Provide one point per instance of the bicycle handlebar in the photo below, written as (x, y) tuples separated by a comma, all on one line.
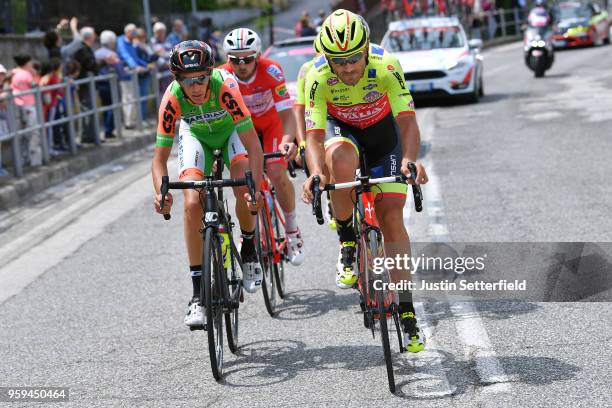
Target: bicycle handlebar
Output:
[(417, 193), (290, 163), (207, 183)]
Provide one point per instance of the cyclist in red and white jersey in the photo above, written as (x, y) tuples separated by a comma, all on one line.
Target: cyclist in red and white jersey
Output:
[(262, 85)]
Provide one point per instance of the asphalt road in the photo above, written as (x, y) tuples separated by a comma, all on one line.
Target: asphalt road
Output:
[(93, 284)]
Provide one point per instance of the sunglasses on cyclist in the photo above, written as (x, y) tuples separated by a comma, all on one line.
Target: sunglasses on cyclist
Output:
[(199, 80), (241, 60), (348, 60)]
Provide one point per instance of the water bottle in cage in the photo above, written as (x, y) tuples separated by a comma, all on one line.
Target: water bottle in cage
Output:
[(225, 242)]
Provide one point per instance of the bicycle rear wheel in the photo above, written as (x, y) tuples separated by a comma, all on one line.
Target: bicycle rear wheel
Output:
[(212, 273), (384, 338), (266, 258)]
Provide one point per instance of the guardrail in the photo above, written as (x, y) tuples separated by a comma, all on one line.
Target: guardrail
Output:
[(39, 130)]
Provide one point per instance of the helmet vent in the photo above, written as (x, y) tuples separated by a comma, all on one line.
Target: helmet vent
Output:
[(250, 41), (230, 42), (353, 30)]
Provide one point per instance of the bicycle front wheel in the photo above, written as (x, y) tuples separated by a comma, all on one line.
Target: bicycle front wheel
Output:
[(212, 274), (279, 268), (384, 338), (266, 258), (235, 291)]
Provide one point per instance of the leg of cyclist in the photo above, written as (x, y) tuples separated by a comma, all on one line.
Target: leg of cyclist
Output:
[(341, 160), (276, 169), (192, 155), (236, 157), (389, 205)]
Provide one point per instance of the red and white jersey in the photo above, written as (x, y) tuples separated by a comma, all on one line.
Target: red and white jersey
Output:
[(265, 94)]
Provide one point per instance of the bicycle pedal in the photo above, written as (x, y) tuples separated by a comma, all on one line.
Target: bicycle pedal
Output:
[(193, 328)]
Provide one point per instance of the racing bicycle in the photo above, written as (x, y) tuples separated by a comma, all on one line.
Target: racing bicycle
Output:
[(377, 302), (221, 288)]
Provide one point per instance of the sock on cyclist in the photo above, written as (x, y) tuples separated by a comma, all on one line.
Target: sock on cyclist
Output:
[(345, 230), (405, 302), (196, 278), (290, 221), (248, 244)]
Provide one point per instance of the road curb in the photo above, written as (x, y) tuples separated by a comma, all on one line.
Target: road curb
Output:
[(15, 190)]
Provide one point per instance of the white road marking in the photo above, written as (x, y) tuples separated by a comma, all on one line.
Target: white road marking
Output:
[(469, 325)]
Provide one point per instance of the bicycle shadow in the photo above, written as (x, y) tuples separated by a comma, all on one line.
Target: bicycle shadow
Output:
[(311, 303), (430, 375)]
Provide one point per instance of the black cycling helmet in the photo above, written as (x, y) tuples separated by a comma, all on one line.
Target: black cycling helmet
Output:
[(191, 56)]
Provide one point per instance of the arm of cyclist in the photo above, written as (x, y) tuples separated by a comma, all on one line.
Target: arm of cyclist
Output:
[(298, 111), (411, 141), (315, 159), (289, 126), (402, 106), (231, 99), (169, 112)]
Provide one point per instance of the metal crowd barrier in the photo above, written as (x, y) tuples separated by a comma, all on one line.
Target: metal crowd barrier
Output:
[(15, 134)]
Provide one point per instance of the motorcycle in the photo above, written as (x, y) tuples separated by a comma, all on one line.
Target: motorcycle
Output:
[(538, 50)]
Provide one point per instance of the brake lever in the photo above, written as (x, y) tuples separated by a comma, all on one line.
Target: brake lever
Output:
[(251, 186), (316, 202), (290, 164), (164, 190), (417, 193)]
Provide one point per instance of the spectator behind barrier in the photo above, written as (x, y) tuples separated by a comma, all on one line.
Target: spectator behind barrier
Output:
[(87, 60), (145, 53), (53, 40), (4, 85), (162, 48), (128, 54), (52, 75), (23, 80), (178, 34), (109, 62)]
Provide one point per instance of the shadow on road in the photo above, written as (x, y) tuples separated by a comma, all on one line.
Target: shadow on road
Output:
[(418, 376), (307, 304)]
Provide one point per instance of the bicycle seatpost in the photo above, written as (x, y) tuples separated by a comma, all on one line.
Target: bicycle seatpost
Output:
[(164, 190)]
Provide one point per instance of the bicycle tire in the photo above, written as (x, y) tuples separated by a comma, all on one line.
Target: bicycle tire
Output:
[(231, 316), (212, 269), (384, 338), (267, 264), (279, 268)]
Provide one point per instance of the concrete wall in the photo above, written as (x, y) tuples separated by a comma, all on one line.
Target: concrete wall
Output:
[(18, 44)]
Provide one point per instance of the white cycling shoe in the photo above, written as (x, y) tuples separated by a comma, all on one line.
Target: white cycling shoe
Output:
[(252, 276), (195, 314), (295, 248)]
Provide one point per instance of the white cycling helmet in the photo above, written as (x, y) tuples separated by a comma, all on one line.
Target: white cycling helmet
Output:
[(242, 39)]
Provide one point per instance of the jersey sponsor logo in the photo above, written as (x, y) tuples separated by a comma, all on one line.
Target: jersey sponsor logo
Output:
[(411, 104), (332, 81), (169, 117), (399, 78), (310, 124), (369, 87), (390, 68), (232, 85), (362, 115), (275, 72), (205, 117), (260, 102), (281, 90), (393, 161), (340, 98), (376, 50), (231, 104), (311, 104), (372, 73), (337, 131), (372, 96), (320, 61), (307, 113), (313, 89), (339, 90)]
